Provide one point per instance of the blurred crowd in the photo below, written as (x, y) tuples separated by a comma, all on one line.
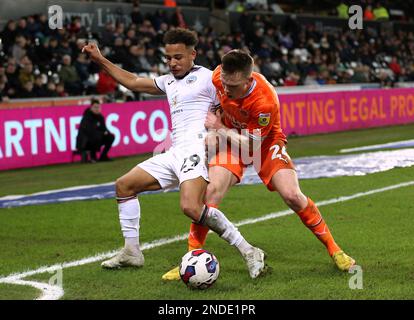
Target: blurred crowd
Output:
[(36, 61), (294, 54), (372, 9)]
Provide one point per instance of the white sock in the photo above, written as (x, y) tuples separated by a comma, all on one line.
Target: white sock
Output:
[(217, 221), (244, 246), (132, 245), (129, 214)]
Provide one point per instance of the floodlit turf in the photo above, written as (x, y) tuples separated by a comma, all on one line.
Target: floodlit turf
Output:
[(376, 230), (23, 181), (13, 292), (381, 241)]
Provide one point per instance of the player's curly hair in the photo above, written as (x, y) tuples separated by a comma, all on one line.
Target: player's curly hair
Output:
[(180, 35), (236, 61)]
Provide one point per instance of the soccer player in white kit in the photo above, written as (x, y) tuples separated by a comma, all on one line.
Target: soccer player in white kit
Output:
[(191, 95)]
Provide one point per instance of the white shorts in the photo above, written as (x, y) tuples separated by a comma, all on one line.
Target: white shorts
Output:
[(176, 166)]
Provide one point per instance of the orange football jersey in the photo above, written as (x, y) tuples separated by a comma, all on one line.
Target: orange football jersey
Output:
[(258, 111)]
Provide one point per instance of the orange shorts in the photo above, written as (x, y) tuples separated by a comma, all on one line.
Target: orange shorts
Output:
[(270, 158)]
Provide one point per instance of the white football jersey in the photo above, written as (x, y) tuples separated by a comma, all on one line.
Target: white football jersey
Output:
[(190, 98)]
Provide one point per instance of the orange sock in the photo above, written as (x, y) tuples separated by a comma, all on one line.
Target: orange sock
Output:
[(312, 218), (198, 234)]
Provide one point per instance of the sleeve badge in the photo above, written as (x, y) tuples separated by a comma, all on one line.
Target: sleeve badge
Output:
[(264, 119)]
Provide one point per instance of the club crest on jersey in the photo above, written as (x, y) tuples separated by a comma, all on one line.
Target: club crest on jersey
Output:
[(264, 119), (191, 79)]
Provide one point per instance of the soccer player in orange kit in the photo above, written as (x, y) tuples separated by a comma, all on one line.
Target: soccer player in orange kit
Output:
[(251, 106)]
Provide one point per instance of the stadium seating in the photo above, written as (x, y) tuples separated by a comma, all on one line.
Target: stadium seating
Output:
[(36, 61)]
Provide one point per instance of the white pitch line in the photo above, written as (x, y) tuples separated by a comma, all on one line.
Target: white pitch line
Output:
[(76, 188), (55, 292), (403, 144)]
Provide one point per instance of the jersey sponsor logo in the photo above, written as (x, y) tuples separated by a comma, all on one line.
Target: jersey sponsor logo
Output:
[(235, 122), (174, 101), (191, 79), (170, 82), (264, 119)]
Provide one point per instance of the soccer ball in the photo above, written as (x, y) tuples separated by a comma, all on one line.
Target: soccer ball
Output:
[(199, 269)]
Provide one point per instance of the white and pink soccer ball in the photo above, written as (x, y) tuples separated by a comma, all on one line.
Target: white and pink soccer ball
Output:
[(199, 269)]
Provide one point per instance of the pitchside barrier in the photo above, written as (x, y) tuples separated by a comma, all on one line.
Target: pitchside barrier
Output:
[(34, 136)]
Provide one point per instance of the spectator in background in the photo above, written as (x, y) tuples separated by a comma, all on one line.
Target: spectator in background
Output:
[(44, 30), (107, 35), (12, 75), (106, 84), (136, 15), (42, 55), (39, 88), (119, 54), (119, 30), (146, 31), (292, 79), (380, 12), (395, 66), (19, 50), (82, 66), (342, 10), (60, 90), (133, 63), (3, 94), (33, 27), (26, 91), (159, 18), (368, 14), (65, 48), (8, 35), (93, 134), (53, 52), (51, 89), (69, 76), (153, 59), (256, 4), (142, 57), (22, 28), (76, 28), (178, 19), (26, 72), (170, 3)]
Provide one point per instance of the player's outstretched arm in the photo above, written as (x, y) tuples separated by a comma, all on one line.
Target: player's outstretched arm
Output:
[(127, 79)]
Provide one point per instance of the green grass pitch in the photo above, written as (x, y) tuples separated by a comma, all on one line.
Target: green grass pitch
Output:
[(375, 229)]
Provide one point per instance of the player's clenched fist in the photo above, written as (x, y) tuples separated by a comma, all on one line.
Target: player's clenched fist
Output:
[(93, 51), (213, 121)]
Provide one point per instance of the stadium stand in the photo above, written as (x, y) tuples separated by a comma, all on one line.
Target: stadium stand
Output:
[(290, 46)]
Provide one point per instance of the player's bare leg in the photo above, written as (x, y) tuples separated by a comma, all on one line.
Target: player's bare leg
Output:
[(221, 180), (216, 221), (127, 187), (285, 181), (192, 203)]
